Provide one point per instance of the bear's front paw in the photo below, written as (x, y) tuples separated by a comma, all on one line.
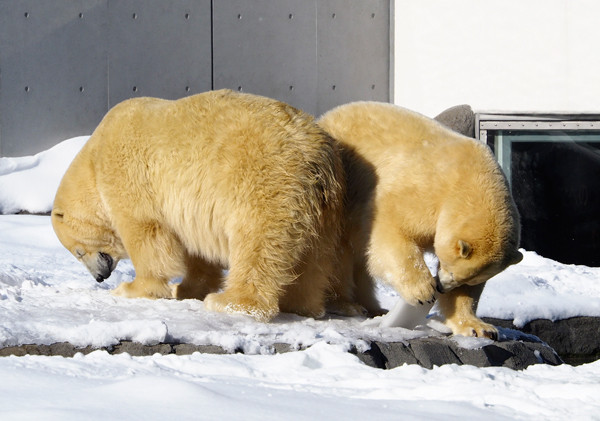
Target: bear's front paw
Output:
[(419, 293), (226, 303), (124, 290), (140, 289)]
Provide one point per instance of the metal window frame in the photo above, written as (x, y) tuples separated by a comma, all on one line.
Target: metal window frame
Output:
[(503, 123)]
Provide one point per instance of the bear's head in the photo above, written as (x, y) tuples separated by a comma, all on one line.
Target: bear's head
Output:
[(89, 240), (475, 243), (79, 218), (467, 263)]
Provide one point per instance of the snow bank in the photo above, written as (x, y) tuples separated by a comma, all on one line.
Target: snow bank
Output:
[(29, 183), (540, 288), (320, 383)]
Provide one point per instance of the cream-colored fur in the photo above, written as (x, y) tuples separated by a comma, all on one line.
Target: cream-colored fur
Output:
[(218, 180), (412, 185)]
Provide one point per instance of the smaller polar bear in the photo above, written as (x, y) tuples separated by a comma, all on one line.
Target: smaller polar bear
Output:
[(190, 187), (414, 185)]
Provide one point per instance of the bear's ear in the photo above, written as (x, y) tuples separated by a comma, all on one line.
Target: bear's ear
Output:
[(464, 249)]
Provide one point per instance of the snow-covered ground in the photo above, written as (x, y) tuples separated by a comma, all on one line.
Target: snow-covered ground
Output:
[(46, 296)]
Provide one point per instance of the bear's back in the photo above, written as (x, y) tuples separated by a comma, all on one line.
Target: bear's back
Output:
[(416, 159), (221, 154), (405, 146), (218, 132), (398, 130), (207, 119)]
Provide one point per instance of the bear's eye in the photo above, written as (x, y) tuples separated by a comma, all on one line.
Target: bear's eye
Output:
[(58, 215), (79, 253)]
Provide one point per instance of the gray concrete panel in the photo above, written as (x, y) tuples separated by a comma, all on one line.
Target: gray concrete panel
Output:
[(159, 48), (353, 51), (53, 70), (63, 63), (266, 47)]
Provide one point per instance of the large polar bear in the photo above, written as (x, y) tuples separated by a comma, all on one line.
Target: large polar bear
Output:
[(217, 180), (415, 185)]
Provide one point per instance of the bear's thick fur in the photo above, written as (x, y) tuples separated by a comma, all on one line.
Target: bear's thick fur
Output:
[(217, 180), (414, 185)]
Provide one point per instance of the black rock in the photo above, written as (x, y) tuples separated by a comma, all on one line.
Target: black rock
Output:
[(436, 351), (575, 340), (460, 118)]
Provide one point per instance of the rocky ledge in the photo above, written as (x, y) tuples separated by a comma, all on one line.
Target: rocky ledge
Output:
[(436, 351), (575, 340), (518, 352)]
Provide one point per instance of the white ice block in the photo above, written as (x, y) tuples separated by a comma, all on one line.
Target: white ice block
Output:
[(402, 315), (406, 316)]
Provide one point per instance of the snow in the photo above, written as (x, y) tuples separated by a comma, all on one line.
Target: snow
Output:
[(322, 382), (46, 296), (29, 183)]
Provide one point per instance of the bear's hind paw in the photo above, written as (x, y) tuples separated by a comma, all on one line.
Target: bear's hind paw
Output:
[(479, 330), (222, 303), (346, 309)]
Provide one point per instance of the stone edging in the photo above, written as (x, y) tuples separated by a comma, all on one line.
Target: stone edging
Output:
[(426, 352)]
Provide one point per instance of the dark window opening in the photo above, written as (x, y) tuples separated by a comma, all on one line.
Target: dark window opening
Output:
[(555, 181), (557, 189)]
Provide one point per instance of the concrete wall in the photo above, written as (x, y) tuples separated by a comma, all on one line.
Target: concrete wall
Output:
[(64, 63)]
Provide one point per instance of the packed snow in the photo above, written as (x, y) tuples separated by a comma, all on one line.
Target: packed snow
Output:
[(46, 296)]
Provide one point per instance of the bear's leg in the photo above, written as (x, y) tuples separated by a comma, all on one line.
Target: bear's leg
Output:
[(399, 261), (306, 295), (261, 266), (157, 256), (343, 299), (247, 293), (201, 278), (365, 290), (144, 287), (458, 307)]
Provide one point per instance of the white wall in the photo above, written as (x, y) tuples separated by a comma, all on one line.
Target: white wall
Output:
[(510, 55)]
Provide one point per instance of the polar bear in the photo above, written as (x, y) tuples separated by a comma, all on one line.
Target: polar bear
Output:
[(218, 180), (414, 185)]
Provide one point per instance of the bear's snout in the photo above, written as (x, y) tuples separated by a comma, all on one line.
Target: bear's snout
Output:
[(445, 280), (105, 265)]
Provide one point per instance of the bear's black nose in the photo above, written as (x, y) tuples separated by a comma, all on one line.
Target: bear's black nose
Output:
[(105, 265), (438, 285)]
